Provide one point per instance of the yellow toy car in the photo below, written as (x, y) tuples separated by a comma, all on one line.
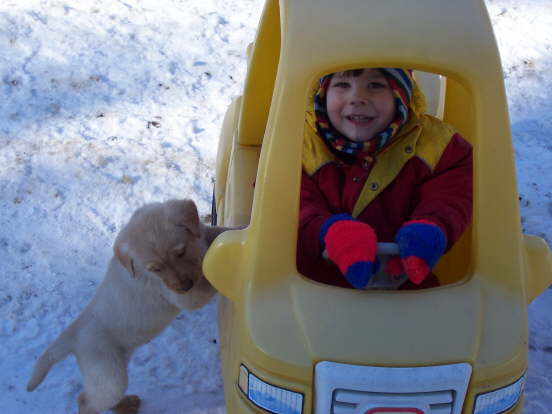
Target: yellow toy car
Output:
[(290, 345)]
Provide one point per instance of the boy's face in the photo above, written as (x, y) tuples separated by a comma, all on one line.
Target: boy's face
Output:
[(360, 107)]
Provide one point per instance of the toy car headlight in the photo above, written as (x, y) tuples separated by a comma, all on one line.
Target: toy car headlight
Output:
[(269, 397), (500, 400)]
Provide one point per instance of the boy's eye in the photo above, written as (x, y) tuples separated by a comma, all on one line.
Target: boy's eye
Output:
[(341, 84), (376, 85)]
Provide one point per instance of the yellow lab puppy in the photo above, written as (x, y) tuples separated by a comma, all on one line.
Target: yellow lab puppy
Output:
[(154, 274)]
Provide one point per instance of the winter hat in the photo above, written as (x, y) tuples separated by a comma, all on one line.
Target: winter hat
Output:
[(404, 91)]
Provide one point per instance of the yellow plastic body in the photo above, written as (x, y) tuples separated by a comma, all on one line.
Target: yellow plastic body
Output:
[(278, 323)]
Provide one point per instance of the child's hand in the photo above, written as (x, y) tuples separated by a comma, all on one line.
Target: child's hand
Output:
[(421, 245), (351, 245)]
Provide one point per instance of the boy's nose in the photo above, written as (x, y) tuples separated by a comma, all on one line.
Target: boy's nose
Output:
[(357, 101), (358, 97)]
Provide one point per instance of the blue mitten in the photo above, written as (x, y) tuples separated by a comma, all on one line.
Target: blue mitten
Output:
[(421, 245)]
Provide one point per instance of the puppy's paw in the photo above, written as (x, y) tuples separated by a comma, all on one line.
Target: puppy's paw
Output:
[(128, 405)]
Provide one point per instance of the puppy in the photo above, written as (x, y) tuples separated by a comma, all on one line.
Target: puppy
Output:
[(154, 274)]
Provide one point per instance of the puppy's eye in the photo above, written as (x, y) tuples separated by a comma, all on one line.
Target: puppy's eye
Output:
[(180, 251), (154, 267)]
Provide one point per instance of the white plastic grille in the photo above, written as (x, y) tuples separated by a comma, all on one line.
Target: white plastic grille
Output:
[(357, 389), (348, 401)]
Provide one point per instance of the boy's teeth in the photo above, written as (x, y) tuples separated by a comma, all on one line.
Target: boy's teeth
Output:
[(359, 118)]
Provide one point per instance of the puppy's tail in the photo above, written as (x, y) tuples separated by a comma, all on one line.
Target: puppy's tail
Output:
[(57, 351)]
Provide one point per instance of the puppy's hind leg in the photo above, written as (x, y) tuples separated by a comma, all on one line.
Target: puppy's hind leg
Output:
[(130, 404), (104, 370)]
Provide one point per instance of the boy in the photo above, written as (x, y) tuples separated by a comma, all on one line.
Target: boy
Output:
[(376, 168)]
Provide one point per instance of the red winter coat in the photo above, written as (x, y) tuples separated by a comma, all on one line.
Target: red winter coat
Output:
[(424, 173)]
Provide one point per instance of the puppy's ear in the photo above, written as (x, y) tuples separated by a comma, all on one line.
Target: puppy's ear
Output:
[(122, 254), (183, 213)]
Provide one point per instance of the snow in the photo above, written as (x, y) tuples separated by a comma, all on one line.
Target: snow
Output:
[(107, 104)]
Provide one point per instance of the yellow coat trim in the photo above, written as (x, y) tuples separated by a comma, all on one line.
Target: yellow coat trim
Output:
[(315, 152), (436, 136)]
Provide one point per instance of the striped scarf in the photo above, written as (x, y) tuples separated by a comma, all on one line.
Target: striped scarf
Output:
[(400, 81)]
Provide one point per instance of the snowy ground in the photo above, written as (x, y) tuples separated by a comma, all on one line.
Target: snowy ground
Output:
[(107, 104)]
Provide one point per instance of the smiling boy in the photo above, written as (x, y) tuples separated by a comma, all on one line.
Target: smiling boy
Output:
[(377, 168)]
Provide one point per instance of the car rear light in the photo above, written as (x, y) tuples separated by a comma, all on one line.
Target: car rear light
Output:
[(269, 397), (500, 400)]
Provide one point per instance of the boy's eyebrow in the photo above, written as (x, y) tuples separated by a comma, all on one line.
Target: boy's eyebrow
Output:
[(349, 74)]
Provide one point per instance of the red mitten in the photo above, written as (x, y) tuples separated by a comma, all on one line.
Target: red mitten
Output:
[(351, 245)]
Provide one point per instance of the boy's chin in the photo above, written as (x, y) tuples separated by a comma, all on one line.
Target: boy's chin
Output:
[(360, 136), (361, 139)]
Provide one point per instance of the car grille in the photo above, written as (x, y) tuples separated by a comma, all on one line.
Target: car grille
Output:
[(353, 389), (349, 401)]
